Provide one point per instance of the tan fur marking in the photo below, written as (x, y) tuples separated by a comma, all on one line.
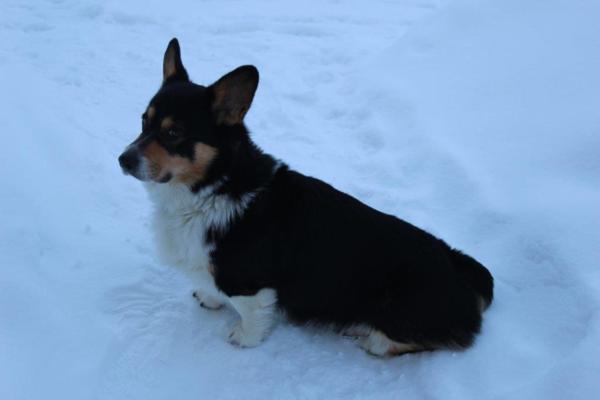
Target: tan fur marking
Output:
[(196, 171), (167, 123), (150, 112), (228, 112), (168, 70), (169, 65), (182, 169), (397, 348), (232, 100)]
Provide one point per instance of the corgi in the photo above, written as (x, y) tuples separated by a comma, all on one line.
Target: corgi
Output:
[(256, 235)]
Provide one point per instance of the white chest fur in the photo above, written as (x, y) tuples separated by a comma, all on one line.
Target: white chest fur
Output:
[(181, 222)]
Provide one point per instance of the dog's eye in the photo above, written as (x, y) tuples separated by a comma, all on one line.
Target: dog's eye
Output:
[(174, 133)]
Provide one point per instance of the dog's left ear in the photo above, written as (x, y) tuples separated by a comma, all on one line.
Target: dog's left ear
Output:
[(233, 94), (172, 66)]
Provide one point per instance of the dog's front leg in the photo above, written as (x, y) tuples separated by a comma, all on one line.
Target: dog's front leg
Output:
[(207, 294), (207, 301), (256, 317)]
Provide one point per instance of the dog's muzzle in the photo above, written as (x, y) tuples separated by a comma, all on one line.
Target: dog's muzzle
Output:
[(130, 162)]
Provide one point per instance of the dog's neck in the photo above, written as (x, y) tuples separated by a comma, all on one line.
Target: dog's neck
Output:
[(240, 168), (225, 197), (178, 201)]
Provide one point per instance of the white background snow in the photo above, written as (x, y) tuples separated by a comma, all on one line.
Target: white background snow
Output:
[(478, 120)]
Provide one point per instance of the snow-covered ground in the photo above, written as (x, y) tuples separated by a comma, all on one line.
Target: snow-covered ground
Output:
[(478, 120)]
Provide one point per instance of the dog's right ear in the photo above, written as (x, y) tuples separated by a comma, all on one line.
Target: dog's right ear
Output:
[(233, 94), (173, 69)]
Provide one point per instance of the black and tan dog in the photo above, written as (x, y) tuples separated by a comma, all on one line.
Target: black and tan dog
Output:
[(253, 233)]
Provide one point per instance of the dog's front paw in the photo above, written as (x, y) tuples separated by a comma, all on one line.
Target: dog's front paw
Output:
[(244, 337), (206, 301)]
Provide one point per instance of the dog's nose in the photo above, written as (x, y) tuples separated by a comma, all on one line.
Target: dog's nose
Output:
[(129, 161)]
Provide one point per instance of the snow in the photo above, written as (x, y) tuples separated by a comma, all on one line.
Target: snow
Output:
[(474, 119)]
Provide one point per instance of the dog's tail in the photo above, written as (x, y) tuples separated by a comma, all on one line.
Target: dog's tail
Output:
[(478, 276)]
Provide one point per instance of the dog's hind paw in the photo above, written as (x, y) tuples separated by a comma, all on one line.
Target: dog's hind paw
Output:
[(356, 331), (378, 344)]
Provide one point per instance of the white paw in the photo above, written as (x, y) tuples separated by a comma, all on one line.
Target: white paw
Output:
[(206, 301), (356, 331), (372, 347), (245, 338), (378, 344)]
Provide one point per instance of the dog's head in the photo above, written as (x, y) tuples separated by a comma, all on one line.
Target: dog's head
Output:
[(186, 127)]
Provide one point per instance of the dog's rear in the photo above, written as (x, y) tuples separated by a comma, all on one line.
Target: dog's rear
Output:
[(478, 276)]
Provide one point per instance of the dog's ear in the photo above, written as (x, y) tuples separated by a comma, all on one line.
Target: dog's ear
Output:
[(172, 66), (233, 94)]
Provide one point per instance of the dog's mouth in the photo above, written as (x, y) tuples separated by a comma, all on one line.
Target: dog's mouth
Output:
[(166, 178), (134, 174)]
